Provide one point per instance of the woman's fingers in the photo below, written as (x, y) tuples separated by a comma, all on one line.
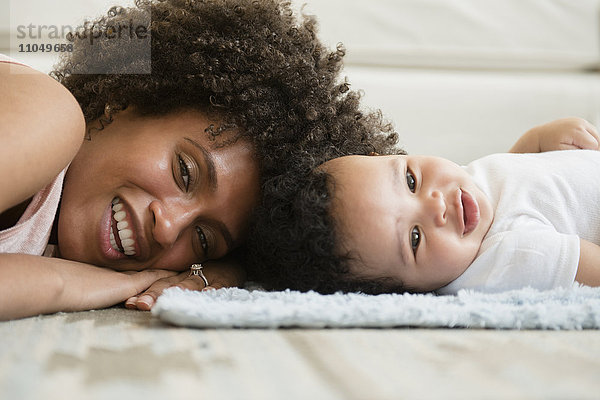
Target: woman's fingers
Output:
[(131, 303), (219, 275), (146, 299), (192, 282)]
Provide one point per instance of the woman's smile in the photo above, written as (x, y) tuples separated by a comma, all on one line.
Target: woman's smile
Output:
[(122, 237), (118, 233)]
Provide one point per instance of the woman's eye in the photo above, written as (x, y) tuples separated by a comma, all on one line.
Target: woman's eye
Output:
[(203, 240), (415, 239), (411, 181), (184, 171)]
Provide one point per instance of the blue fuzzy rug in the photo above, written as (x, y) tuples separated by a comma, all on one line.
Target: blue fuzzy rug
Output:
[(573, 308)]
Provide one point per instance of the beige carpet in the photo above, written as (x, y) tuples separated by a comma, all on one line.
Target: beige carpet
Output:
[(122, 354)]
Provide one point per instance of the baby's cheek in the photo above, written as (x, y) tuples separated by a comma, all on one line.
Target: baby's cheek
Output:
[(458, 256)]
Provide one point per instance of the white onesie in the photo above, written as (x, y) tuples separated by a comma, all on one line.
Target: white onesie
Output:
[(543, 203)]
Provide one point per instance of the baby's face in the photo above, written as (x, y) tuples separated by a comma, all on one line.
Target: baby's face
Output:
[(415, 219)]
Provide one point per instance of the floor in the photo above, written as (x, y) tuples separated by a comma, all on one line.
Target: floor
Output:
[(118, 353)]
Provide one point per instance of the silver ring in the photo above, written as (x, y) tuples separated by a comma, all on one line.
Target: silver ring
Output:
[(196, 269)]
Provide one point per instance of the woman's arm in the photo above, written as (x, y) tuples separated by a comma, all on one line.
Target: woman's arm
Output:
[(32, 285), (562, 134), (588, 272), (41, 129)]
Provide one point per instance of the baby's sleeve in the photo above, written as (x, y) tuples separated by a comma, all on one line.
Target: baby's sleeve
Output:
[(542, 259)]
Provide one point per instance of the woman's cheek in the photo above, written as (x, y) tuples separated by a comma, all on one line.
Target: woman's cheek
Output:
[(177, 258)]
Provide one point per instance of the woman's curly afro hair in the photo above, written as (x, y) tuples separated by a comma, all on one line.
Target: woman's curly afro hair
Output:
[(251, 64)]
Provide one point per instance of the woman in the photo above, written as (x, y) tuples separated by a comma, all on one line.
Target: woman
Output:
[(173, 159)]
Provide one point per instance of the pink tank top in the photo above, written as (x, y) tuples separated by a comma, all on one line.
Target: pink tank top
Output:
[(7, 59), (31, 233)]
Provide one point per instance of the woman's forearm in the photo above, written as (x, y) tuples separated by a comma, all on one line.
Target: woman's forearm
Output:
[(32, 285)]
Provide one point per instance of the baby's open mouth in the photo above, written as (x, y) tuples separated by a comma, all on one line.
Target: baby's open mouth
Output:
[(121, 236)]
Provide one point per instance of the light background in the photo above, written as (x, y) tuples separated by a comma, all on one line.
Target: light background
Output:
[(458, 78), (42, 12)]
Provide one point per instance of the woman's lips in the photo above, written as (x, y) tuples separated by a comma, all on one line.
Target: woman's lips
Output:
[(114, 243), (123, 237), (470, 212), (105, 229)]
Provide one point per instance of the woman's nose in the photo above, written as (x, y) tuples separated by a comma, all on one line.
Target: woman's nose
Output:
[(436, 207), (169, 221)]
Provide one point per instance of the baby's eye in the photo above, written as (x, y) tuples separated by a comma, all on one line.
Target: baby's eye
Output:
[(415, 239), (411, 181)]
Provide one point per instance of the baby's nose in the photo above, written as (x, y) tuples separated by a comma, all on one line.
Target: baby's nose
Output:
[(437, 208)]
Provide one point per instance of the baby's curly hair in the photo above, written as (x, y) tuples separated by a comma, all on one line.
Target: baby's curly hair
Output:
[(294, 243), (252, 64)]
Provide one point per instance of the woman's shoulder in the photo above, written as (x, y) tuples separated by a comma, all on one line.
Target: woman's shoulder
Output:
[(21, 76), (42, 128)]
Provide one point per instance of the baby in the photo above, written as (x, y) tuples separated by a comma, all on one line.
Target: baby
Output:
[(419, 223)]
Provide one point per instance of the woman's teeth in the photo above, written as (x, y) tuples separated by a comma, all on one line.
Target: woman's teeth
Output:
[(125, 234)]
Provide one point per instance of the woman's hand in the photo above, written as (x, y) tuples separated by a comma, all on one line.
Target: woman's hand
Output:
[(226, 272), (562, 134)]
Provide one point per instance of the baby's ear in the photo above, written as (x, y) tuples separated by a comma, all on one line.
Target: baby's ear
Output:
[(373, 153)]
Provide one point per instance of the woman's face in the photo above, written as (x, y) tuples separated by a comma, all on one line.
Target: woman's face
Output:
[(161, 188)]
